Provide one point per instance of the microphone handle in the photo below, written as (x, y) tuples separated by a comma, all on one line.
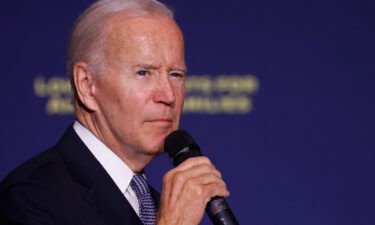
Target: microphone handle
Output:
[(217, 208), (220, 213), (181, 146)]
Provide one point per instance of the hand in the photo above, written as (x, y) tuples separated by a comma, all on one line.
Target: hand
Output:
[(186, 191)]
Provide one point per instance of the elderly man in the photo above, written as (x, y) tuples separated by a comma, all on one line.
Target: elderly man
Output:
[(127, 69)]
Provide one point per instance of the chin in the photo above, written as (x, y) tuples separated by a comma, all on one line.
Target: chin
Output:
[(154, 142), (155, 147), (153, 151)]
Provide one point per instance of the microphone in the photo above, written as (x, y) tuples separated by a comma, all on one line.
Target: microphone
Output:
[(180, 146)]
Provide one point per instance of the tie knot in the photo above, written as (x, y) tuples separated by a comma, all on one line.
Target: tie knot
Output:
[(139, 185)]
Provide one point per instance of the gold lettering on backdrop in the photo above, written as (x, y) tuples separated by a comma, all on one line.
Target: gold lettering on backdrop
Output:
[(215, 105), (59, 106), (198, 84), (57, 90), (205, 94), (39, 86)]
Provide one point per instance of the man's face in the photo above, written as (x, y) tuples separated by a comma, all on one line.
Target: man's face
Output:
[(140, 97)]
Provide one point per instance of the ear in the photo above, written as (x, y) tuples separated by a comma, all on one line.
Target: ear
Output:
[(84, 81)]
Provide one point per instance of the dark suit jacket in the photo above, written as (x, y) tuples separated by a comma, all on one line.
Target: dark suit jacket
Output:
[(64, 185)]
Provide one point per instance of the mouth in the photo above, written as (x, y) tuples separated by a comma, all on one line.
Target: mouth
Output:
[(160, 120)]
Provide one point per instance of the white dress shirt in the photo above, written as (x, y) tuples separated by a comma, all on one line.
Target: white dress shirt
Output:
[(120, 173)]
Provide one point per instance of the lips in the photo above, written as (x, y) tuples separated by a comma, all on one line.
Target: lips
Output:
[(160, 123), (162, 120)]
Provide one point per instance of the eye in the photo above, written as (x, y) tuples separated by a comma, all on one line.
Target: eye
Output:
[(142, 73), (177, 75)]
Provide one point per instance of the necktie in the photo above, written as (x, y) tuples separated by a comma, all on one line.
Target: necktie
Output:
[(147, 209)]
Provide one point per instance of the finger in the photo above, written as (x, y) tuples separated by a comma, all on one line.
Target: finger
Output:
[(203, 189), (196, 171), (197, 176), (177, 179), (218, 190), (192, 162), (205, 178), (176, 175)]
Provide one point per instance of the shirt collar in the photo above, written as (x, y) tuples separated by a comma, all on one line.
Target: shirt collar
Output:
[(117, 169)]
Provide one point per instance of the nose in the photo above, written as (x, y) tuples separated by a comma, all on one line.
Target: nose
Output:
[(164, 91)]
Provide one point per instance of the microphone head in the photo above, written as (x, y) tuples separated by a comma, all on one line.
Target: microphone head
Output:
[(180, 146)]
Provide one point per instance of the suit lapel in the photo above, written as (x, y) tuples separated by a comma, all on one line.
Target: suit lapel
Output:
[(100, 191), (108, 200)]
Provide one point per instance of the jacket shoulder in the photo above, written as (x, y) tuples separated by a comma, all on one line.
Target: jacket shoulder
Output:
[(43, 169)]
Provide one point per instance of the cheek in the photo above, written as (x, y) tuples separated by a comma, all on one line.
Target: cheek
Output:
[(180, 94), (106, 95), (116, 100), (132, 103)]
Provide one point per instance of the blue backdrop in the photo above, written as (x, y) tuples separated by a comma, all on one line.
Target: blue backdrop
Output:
[(285, 108)]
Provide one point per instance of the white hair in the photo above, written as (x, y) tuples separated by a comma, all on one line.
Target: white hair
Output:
[(88, 34)]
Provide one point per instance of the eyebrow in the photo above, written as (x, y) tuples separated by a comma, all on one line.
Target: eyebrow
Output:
[(182, 68), (147, 66)]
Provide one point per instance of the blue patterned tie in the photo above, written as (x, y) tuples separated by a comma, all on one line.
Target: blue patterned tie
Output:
[(147, 209)]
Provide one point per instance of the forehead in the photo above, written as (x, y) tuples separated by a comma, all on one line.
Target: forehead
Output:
[(123, 31), (154, 39)]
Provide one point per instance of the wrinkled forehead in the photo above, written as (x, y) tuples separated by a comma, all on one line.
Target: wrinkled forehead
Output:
[(157, 34), (123, 29)]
